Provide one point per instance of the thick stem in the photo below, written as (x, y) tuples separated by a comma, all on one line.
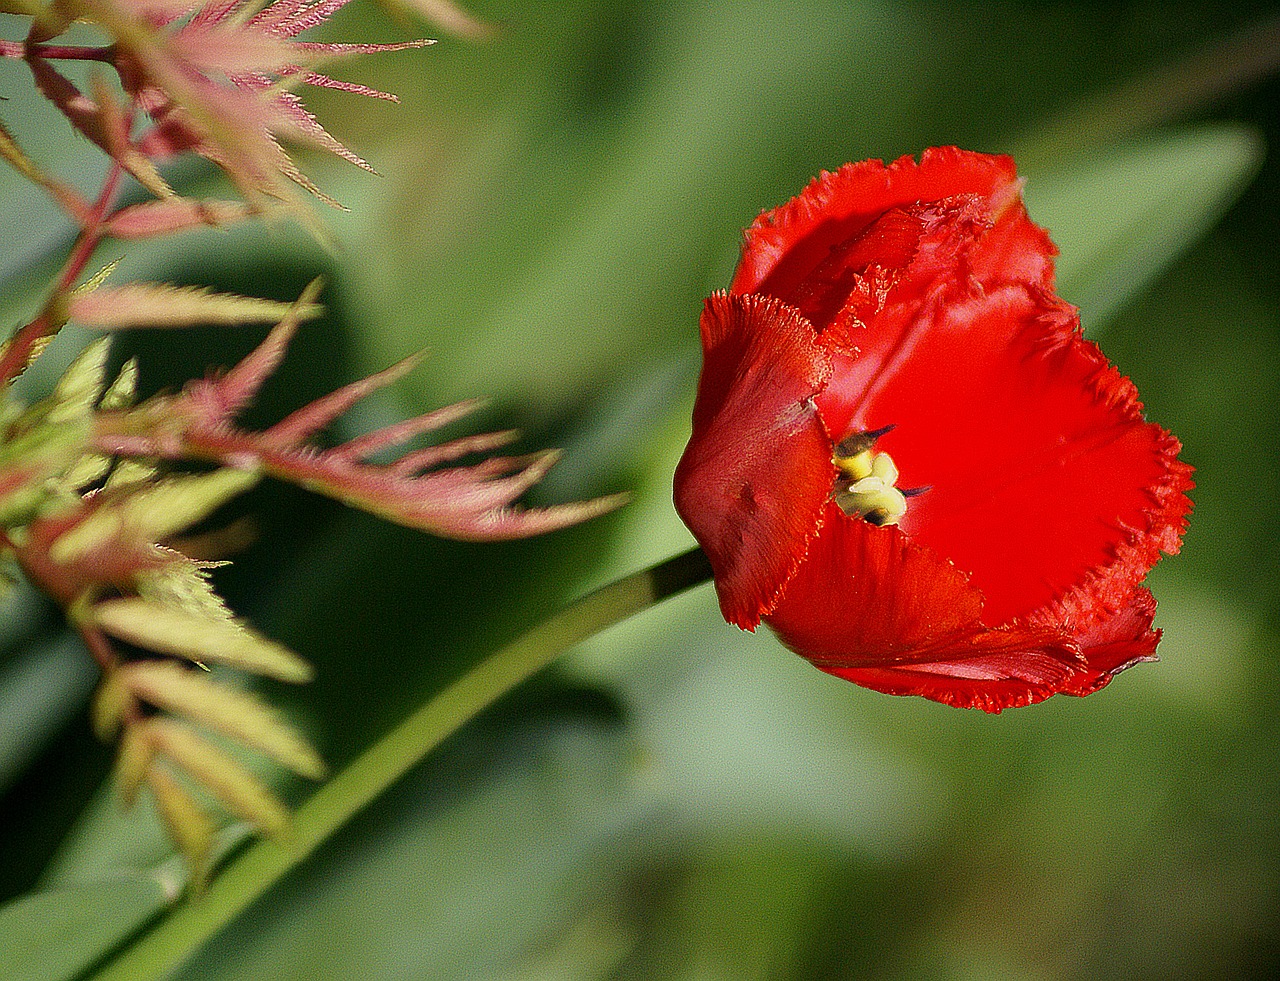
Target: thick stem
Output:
[(264, 863)]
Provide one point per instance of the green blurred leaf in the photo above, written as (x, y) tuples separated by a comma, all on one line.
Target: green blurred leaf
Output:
[(186, 821), (30, 8), (89, 469), (39, 692), (121, 393), (1178, 84), (155, 512), (82, 383), (238, 790), (236, 714), (167, 630), (133, 759), (1120, 219), (54, 935), (451, 870)]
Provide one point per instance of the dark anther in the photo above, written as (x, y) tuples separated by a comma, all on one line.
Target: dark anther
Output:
[(857, 443)]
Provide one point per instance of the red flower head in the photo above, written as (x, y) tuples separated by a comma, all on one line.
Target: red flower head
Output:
[(908, 461)]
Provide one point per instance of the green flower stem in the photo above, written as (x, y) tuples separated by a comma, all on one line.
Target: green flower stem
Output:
[(264, 863)]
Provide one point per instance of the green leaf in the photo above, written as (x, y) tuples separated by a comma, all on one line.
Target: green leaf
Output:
[(175, 503), (1120, 219), (237, 789), (1160, 93), (107, 709), (81, 384), (154, 512), (128, 472), (186, 821), (40, 692), (32, 457), (121, 393), (185, 586), (554, 822), (236, 714), (166, 630), (55, 935), (133, 760), (29, 8), (89, 469)]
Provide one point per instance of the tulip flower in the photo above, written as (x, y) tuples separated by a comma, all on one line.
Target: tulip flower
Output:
[(908, 461)]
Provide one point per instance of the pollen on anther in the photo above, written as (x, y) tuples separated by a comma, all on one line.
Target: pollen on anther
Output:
[(866, 483)]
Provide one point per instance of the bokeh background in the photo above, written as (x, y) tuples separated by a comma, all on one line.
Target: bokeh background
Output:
[(678, 799)]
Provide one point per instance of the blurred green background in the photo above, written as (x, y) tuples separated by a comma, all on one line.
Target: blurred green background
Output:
[(678, 799)]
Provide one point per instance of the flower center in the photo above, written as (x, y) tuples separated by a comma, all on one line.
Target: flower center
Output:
[(867, 479)]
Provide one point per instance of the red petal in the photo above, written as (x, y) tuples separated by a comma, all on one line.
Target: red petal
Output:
[(757, 470), (1043, 477), (873, 607), (852, 283), (993, 684), (1112, 642), (784, 245), (908, 255), (1013, 250)]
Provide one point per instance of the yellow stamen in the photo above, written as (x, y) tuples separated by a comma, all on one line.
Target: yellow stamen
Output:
[(865, 486), (857, 466), (871, 498), (884, 468)]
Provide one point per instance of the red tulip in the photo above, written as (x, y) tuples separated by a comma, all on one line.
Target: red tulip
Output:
[(908, 461)]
